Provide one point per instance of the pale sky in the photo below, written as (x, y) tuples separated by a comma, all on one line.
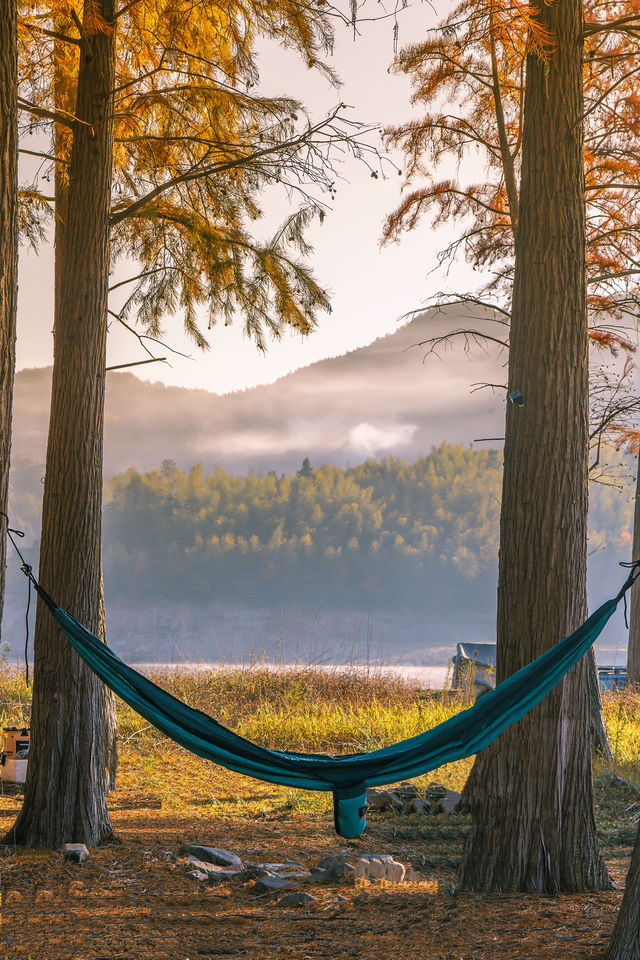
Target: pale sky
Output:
[(371, 287)]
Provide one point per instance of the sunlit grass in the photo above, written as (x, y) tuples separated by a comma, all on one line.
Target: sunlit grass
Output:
[(303, 708)]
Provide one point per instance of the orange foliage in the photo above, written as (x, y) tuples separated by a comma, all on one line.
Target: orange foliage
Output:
[(468, 74)]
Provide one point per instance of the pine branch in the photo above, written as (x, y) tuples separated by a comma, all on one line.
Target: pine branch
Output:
[(199, 171)]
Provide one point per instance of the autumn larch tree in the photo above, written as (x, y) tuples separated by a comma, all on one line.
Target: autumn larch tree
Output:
[(481, 74), (160, 154), (519, 78), (8, 251)]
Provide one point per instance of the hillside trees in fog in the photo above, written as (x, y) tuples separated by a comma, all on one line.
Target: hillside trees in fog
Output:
[(382, 532)]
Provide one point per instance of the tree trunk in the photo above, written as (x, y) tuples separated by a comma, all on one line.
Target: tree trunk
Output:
[(625, 941), (533, 821), (72, 716), (633, 654), (8, 252), (599, 734)]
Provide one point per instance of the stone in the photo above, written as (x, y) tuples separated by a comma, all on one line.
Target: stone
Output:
[(253, 871), (342, 899), (214, 873), (406, 790), (297, 899), (288, 865), (380, 866), (415, 806), (329, 863), (223, 858), (75, 852), (198, 875), (344, 871), (383, 800), (435, 791), (450, 801), (271, 884)]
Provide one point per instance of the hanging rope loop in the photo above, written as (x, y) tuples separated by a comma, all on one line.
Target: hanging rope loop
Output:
[(27, 569)]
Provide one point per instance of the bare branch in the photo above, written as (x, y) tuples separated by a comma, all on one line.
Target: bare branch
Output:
[(199, 171), (135, 363)]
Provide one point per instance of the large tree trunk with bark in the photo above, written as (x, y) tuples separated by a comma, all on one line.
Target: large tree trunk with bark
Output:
[(625, 942), (72, 714), (8, 252), (533, 821), (633, 655)]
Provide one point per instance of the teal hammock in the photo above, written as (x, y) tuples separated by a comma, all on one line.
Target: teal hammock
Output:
[(348, 776)]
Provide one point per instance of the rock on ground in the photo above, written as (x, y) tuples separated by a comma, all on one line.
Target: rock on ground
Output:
[(271, 885), (224, 858), (75, 852), (214, 873), (379, 866), (297, 899)]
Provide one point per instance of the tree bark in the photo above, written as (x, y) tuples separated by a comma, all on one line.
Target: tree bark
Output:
[(72, 717), (633, 654), (625, 941), (533, 820), (8, 252)]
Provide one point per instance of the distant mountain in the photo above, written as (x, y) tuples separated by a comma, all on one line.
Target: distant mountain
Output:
[(382, 398)]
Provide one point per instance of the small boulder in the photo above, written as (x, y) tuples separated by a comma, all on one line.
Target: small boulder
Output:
[(198, 875), (214, 873), (435, 790), (450, 801), (252, 871), (296, 899), (223, 858), (344, 871), (415, 806), (318, 875), (406, 790), (75, 852), (380, 866), (383, 800), (270, 884)]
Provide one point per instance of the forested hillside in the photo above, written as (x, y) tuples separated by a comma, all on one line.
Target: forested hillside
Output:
[(376, 532), (399, 539)]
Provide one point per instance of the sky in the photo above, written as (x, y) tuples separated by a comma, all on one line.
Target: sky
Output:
[(371, 288)]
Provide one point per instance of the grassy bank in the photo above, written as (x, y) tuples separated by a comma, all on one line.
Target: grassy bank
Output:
[(312, 709)]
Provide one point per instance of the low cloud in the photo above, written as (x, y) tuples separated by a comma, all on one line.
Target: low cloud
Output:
[(369, 439)]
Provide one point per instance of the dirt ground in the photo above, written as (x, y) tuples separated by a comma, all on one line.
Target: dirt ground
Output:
[(133, 900)]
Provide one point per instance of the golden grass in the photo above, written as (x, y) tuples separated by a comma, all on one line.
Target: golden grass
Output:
[(312, 709)]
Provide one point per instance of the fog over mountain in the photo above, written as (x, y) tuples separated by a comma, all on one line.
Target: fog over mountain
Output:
[(387, 397)]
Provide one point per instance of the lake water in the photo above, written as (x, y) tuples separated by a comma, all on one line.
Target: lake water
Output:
[(433, 678)]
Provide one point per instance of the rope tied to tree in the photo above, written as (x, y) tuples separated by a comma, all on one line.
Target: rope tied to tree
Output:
[(634, 567), (27, 569)]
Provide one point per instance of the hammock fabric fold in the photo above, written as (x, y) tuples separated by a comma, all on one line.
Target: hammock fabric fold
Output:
[(348, 776)]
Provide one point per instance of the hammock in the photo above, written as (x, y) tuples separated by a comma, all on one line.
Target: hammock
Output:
[(348, 776)]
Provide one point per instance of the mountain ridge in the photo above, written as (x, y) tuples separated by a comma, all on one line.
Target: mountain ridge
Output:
[(378, 399)]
